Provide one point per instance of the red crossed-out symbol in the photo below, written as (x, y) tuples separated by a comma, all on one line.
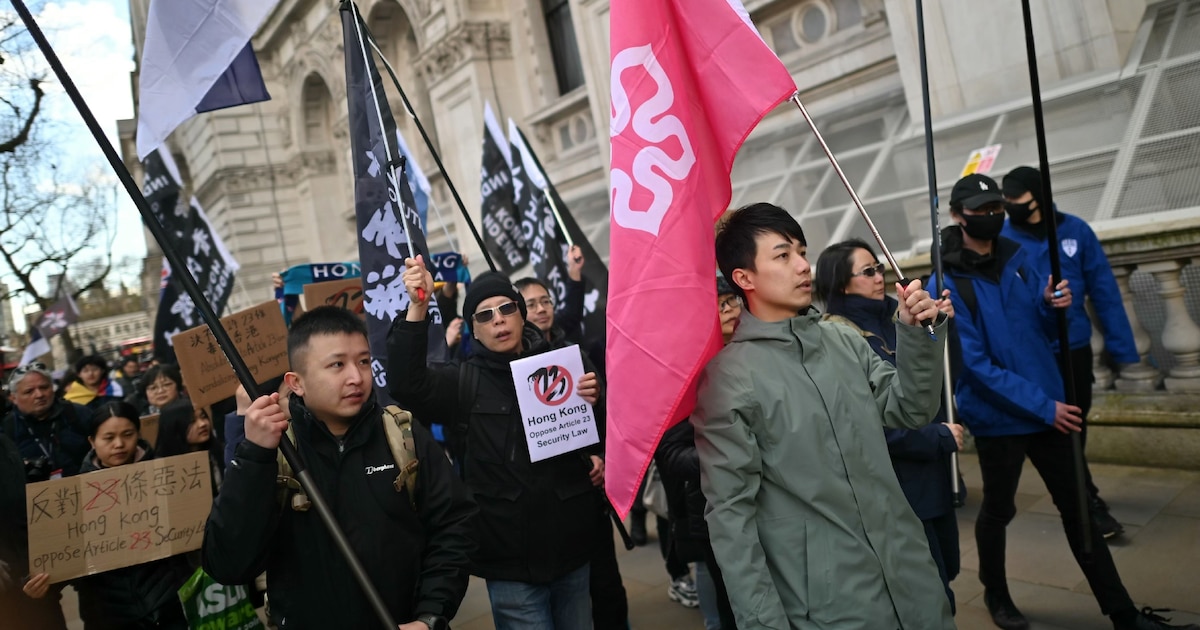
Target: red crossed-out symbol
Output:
[(105, 494), (552, 384)]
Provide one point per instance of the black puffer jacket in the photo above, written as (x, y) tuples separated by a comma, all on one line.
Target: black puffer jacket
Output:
[(536, 520), (679, 467), (417, 559), (140, 596)]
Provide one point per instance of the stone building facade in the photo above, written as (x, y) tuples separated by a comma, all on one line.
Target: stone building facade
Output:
[(275, 179), (1120, 80)]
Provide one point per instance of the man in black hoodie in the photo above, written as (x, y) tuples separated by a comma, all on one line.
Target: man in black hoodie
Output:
[(536, 519), (414, 549)]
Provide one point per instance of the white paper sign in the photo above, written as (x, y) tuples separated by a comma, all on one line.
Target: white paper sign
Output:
[(556, 419)]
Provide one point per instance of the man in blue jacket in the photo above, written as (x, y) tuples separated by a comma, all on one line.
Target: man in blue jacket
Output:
[(1010, 394), (1086, 267)]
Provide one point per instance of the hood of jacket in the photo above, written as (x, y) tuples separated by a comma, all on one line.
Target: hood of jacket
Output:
[(91, 461)]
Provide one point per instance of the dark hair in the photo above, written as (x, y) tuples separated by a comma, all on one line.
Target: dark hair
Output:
[(835, 267), (174, 420), (736, 245), (525, 283), (92, 359), (114, 409), (169, 370), (323, 320)]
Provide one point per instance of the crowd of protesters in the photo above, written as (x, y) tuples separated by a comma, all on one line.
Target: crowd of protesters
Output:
[(810, 488)]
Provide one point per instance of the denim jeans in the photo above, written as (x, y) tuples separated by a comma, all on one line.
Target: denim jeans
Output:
[(563, 604), (707, 592)]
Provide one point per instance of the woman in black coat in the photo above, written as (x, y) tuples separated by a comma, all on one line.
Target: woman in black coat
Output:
[(183, 429), (138, 596)]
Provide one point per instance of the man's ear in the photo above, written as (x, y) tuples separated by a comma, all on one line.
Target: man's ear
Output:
[(294, 382), (742, 278)]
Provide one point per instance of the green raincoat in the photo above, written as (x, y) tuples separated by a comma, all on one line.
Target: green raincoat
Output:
[(807, 520)]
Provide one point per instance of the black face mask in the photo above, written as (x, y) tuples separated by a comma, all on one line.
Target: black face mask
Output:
[(1020, 212), (983, 227)]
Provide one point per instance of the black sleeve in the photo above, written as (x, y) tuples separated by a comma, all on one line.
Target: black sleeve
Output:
[(447, 513), (676, 454), (430, 393), (569, 315), (240, 531), (13, 545)]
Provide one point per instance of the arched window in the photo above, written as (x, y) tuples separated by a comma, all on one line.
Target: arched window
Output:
[(317, 112)]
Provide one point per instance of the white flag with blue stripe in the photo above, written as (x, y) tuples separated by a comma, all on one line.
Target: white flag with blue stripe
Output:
[(197, 57)]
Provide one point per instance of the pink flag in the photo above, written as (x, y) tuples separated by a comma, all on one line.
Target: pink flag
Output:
[(690, 80)]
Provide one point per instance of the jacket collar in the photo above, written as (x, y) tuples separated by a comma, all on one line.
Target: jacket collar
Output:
[(751, 328), (308, 428), (533, 341)]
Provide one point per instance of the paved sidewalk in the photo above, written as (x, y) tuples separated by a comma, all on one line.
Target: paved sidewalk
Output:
[(1159, 558)]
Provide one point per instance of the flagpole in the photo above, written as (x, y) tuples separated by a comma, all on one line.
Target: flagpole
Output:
[(442, 221), (398, 207), (837, 168), (936, 251), (558, 217), (1046, 205), (220, 335), (437, 158)]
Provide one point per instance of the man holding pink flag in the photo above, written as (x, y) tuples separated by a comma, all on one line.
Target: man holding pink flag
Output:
[(690, 79)]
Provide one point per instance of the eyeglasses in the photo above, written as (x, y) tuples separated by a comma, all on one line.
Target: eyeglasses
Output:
[(484, 316), (161, 386), (728, 303), (533, 304), (871, 272)]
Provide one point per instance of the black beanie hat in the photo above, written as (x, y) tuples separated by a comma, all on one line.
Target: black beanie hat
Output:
[(723, 286), (1021, 180), (489, 285)]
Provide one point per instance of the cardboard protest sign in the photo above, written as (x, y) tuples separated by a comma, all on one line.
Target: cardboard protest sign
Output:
[(118, 517), (260, 337), (149, 430), (347, 294), (556, 419)]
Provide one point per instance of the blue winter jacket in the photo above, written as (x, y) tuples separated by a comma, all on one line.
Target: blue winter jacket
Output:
[(1009, 381), (1086, 268)]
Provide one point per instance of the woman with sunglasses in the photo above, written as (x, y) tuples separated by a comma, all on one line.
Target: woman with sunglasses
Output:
[(133, 597), (537, 519), (849, 280)]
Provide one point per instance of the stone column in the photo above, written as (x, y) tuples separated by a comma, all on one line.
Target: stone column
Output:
[(1140, 376), (1100, 371), (1181, 336)]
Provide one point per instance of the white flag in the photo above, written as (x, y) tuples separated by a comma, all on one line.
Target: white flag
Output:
[(190, 50)]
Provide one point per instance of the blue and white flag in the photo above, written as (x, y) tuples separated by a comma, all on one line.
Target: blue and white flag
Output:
[(196, 58), (38, 345)]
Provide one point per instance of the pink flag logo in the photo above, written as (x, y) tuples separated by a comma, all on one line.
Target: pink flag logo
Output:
[(690, 80), (654, 131)]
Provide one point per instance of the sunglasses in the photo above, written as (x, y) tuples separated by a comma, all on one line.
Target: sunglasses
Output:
[(484, 316), (36, 366), (871, 272)]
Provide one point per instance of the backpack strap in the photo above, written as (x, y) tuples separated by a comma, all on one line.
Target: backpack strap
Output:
[(397, 425), (287, 483)]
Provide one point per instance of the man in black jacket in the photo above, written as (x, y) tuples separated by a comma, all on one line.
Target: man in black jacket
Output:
[(50, 433), (415, 550), (536, 519), (610, 605)]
